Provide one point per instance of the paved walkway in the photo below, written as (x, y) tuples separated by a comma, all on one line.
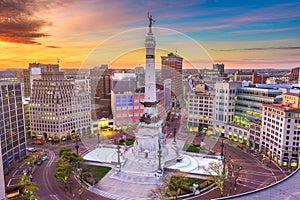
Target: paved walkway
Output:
[(132, 189), (287, 188)]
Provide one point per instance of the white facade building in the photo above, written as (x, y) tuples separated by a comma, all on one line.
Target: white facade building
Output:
[(280, 136), (200, 110), (225, 103)]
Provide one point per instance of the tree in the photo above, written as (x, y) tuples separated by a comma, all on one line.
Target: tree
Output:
[(217, 174), (68, 164), (63, 171), (173, 186), (235, 169), (68, 155), (29, 188)]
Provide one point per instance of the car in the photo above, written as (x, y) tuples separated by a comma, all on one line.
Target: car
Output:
[(39, 162), (31, 149), (44, 158)]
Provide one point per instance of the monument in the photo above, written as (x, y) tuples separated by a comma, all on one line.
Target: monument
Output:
[(151, 151)]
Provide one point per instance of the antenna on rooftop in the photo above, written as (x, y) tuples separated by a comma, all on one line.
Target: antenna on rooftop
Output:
[(57, 60)]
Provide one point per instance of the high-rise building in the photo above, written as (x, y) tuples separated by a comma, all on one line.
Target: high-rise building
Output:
[(34, 72), (81, 107), (225, 93), (59, 106), (167, 95), (171, 68), (248, 113), (280, 134), (12, 123), (201, 103)]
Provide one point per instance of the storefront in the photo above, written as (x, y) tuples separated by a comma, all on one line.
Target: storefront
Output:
[(294, 162), (285, 162)]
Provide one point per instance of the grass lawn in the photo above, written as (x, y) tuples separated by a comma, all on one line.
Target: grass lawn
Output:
[(128, 142), (191, 148), (98, 172), (195, 180)]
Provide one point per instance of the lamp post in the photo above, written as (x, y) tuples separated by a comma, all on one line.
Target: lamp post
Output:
[(98, 135), (159, 171), (77, 146), (222, 152), (119, 160), (174, 136)]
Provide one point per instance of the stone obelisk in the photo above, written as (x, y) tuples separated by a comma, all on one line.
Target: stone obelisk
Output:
[(149, 129)]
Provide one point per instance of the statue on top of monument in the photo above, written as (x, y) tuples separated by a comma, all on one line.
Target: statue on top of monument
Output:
[(151, 20)]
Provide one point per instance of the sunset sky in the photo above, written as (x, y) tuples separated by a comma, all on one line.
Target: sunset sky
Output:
[(240, 34)]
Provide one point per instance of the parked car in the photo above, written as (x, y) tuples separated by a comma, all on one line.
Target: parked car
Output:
[(39, 162), (31, 149), (44, 158)]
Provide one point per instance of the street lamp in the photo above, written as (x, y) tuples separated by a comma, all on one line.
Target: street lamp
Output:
[(77, 145), (159, 171), (98, 135), (222, 152), (119, 160), (174, 135)]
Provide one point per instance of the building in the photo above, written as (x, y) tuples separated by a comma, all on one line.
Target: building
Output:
[(12, 123), (224, 103), (81, 107), (200, 108), (171, 68), (294, 75), (219, 68), (100, 91), (8, 76), (2, 181), (280, 135), (34, 72), (167, 95), (249, 102), (240, 75), (258, 78), (59, 107), (248, 112)]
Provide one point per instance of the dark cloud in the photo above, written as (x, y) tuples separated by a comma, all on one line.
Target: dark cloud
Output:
[(19, 21), (52, 46), (258, 49)]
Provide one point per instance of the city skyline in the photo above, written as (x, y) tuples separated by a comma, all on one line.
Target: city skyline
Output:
[(240, 35)]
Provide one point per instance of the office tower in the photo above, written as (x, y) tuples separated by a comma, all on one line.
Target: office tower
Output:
[(100, 91), (280, 134), (219, 68), (248, 113), (225, 103), (12, 123), (200, 107), (34, 72), (81, 107), (171, 68), (51, 107), (167, 95)]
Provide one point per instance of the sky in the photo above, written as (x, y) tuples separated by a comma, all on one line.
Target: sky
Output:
[(75, 33)]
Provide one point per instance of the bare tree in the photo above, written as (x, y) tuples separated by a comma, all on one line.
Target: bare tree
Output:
[(217, 174), (235, 171)]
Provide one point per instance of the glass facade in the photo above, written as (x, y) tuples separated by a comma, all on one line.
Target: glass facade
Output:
[(249, 102)]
